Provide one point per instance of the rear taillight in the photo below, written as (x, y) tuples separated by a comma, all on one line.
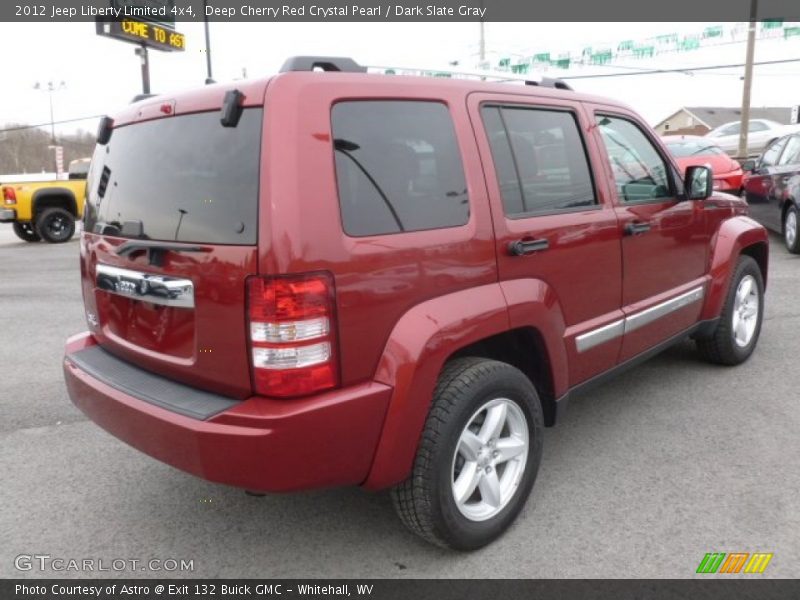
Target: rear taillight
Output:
[(9, 195), (291, 329)]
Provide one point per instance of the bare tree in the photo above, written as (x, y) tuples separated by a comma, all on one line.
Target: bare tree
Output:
[(27, 150)]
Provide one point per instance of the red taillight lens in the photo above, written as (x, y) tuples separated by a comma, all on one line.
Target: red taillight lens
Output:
[(291, 328), (9, 195)]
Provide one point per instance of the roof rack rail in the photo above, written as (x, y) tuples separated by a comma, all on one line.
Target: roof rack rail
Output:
[(461, 73), (348, 65), (325, 63)]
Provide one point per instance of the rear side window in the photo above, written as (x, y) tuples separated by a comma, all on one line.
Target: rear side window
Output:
[(539, 159), (398, 167), (185, 178)]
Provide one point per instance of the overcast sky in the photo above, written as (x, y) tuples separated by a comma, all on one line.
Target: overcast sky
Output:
[(101, 74)]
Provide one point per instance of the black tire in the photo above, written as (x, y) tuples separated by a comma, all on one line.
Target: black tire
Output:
[(791, 233), (721, 347), (425, 501), (26, 232), (55, 225)]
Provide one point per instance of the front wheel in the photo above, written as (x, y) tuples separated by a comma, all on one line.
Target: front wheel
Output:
[(791, 233), (55, 225), (26, 232), (737, 333), (478, 456)]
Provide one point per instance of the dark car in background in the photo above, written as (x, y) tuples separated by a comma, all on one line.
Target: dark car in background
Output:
[(772, 188), (697, 151)]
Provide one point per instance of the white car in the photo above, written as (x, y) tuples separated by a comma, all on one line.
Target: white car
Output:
[(761, 133)]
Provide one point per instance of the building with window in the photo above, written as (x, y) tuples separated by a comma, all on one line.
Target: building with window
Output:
[(699, 120)]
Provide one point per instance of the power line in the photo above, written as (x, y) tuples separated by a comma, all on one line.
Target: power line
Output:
[(21, 127), (681, 70)]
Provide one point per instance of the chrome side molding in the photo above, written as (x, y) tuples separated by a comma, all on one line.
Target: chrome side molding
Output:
[(147, 287), (649, 315), (598, 336), (606, 333)]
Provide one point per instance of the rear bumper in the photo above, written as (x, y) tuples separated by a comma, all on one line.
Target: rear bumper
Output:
[(728, 182), (257, 444), (7, 215)]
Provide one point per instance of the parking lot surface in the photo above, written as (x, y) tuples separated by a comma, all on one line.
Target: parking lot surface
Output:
[(646, 474)]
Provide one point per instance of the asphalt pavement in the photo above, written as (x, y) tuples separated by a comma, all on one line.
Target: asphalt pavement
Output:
[(642, 478)]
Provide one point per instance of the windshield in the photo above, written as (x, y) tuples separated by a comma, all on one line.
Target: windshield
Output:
[(693, 148), (186, 179)]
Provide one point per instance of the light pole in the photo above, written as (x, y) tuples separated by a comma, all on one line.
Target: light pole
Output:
[(51, 87)]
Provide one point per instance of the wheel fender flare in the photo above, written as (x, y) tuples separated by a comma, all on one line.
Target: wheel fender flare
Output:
[(54, 192), (732, 238), (417, 348)]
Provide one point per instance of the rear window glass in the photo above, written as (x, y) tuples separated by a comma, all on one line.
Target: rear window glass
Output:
[(398, 167), (683, 149), (186, 179)]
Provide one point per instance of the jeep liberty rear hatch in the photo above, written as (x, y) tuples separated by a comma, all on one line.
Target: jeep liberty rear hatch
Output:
[(171, 236)]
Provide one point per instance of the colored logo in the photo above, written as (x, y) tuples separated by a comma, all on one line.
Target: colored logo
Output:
[(734, 562)]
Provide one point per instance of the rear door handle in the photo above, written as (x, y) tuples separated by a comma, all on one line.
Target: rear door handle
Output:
[(636, 228), (523, 247)]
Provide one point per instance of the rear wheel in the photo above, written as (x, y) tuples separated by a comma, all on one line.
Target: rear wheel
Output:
[(791, 233), (55, 225), (26, 232), (737, 334), (478, 456)]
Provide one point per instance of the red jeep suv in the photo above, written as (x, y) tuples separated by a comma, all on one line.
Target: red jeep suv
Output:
[(330, 277)]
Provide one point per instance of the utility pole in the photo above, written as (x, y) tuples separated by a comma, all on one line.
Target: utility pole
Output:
[(482, 45), (209, 77), (142, 53), (748, 80)]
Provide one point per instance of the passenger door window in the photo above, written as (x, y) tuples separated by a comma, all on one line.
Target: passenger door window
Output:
[(540, 160), (640, 172), (398, 167)]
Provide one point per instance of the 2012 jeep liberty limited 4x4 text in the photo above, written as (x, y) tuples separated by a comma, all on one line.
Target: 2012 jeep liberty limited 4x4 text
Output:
[(331, 277)]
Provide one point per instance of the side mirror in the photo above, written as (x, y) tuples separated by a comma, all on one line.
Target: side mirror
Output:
[(748, 165), (698, 183)]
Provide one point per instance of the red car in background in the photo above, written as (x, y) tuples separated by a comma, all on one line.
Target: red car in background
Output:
[(696, 151)]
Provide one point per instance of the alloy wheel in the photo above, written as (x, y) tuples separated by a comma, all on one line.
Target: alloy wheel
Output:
[(745, 311), (489, 460)]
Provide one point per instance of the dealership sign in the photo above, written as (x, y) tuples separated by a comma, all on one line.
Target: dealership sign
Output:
[(144, 22)]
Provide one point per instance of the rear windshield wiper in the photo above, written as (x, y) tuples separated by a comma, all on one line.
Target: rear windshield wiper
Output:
[(155, 250)]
